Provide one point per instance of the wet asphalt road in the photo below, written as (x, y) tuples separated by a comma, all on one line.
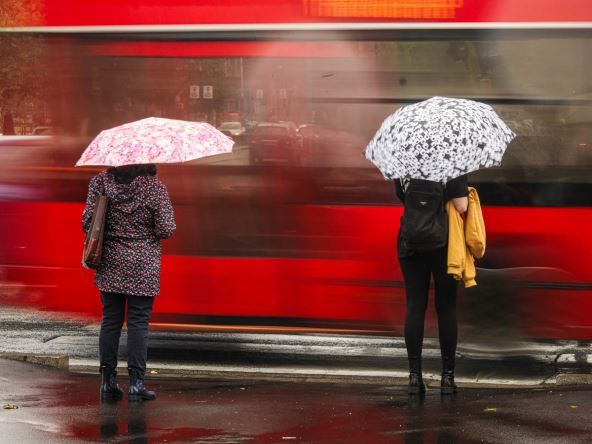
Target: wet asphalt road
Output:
[(58, 407)]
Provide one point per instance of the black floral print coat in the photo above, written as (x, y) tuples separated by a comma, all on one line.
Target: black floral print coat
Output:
[(139, 215)]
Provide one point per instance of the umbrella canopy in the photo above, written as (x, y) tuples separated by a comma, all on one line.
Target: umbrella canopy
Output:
[(155, 140), (439, 139)]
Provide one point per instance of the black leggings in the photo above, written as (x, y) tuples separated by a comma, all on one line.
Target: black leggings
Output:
[(417, 270)]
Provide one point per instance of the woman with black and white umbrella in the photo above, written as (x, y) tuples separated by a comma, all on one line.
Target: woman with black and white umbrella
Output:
[(428, 149)]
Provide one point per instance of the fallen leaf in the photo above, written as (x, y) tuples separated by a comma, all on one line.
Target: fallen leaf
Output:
[(490, 409), (9, 406), (154, 372), (573, 406)]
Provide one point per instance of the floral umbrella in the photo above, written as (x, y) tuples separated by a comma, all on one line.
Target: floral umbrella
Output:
[(155, 140), (439, 139)]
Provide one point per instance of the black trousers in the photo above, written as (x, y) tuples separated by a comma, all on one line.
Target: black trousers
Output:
[(139, 310), (417, 270)]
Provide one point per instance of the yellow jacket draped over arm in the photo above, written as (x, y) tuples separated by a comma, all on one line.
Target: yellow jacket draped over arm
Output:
[(466, 239)]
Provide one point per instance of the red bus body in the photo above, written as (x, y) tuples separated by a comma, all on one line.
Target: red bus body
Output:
[(313, 246)]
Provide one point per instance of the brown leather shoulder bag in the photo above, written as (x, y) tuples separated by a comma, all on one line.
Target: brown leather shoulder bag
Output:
[(93, 243)]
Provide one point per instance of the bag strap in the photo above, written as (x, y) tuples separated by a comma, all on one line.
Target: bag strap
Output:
[(102, 191), (404, 184)]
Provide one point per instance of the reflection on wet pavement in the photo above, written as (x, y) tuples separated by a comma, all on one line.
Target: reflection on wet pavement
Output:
[(56, 406)]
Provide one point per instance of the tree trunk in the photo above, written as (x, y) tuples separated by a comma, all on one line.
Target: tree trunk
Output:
[(8, 125)]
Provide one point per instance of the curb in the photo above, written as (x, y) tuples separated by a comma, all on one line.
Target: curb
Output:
[(290, 374), (157, 370), (61, 362), (574, 379)]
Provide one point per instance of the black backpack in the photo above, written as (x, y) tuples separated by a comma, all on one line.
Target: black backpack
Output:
[(424, 225)]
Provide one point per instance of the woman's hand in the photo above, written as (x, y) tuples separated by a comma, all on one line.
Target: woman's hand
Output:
[(461, 204)]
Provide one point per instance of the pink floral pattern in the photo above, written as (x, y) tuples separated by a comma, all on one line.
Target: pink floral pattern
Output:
[(155, 140)]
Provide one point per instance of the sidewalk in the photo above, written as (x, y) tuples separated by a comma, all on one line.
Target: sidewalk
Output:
[(369, 360), (319, 358)]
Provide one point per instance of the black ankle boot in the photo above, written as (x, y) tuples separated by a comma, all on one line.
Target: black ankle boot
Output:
[(109, 388), (416, 384), (447, 385), (137, 391)]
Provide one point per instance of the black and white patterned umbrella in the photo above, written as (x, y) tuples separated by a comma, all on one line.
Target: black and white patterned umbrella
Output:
[(439, 139)]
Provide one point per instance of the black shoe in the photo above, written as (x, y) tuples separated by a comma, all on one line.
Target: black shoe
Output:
[(137, 391), (110, 391), (416, 384), (447, 385)]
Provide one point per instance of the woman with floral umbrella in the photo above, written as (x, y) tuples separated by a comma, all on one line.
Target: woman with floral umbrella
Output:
[(139, 216), (428, 148)]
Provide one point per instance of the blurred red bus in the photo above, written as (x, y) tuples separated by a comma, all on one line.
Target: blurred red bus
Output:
[(311, 246)]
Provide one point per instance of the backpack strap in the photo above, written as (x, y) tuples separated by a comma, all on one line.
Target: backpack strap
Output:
[(405, 184)]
